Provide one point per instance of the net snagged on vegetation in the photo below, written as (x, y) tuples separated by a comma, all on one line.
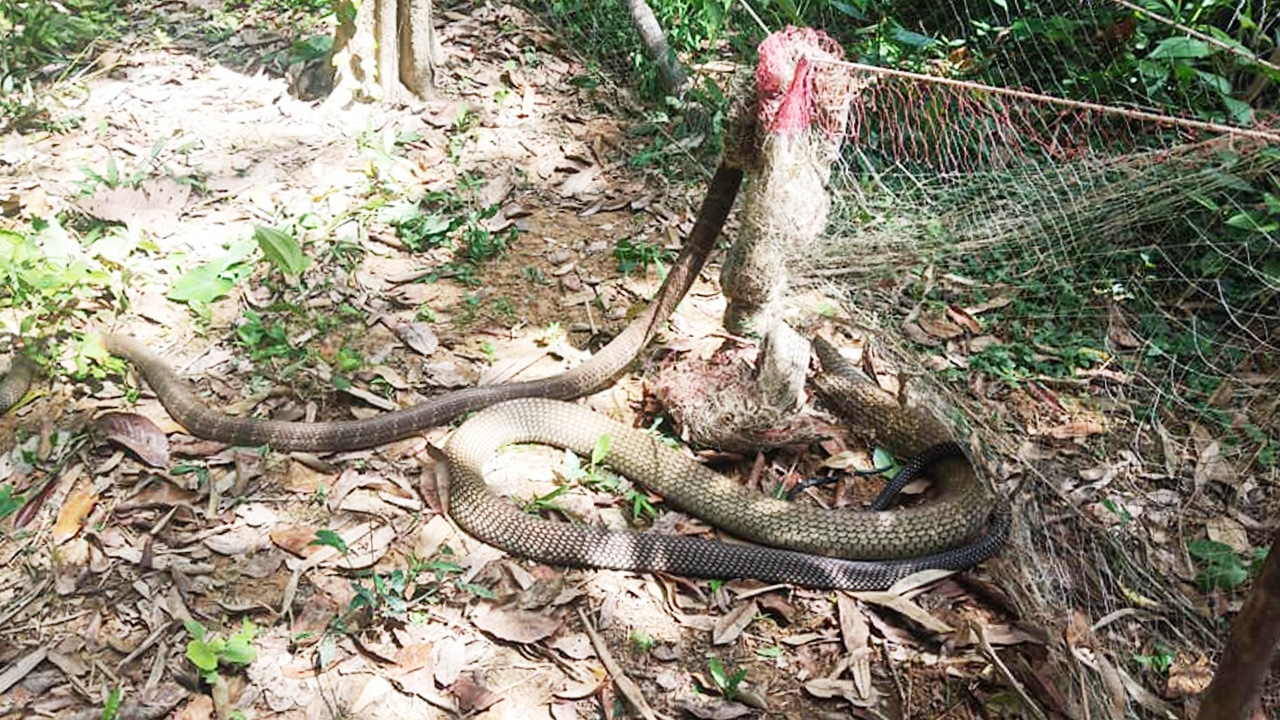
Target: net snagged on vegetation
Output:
[(1075, 225)]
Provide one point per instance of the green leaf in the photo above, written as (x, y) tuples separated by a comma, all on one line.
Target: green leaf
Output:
[(282, 250), (909, 38), (202, 656), (111, 708), (195, 629), (882, 458), (239, 651), (208, 282), (1180, 47), (329, 538), (601, 449)]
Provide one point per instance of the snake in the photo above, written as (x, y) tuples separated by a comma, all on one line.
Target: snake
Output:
[(801, 545)]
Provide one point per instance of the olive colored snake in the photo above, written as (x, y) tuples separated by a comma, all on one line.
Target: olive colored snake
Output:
[(889, 544)]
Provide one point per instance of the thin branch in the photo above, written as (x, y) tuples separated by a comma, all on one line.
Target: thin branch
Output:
[(1051, 100), (1250, 57)]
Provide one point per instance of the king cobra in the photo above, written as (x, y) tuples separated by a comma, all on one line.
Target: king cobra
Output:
[(946, 533)]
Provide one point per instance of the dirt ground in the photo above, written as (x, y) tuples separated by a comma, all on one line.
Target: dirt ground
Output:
[(415, 619)]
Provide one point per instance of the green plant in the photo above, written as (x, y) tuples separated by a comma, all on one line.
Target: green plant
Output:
[(639, 255), (209, 651), (1221, 567), (642, 641), (595, 477), (726, 682), (10, 503), (1160, 660), (111, 708)]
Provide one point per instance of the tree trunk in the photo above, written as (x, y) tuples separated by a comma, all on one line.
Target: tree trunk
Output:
[(388, 53), (655, 41), (1236, 689)]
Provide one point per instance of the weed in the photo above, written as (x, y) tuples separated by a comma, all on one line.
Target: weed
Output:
[(1160, 660), (726, 682), (642, 641), (635, 255), (1221, 567), (534, 275), (210, 651), (595, 477)]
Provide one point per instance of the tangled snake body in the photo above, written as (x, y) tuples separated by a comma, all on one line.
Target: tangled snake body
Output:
[(945, 533)]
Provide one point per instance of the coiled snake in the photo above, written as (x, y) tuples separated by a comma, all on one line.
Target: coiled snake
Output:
[(889, 544)]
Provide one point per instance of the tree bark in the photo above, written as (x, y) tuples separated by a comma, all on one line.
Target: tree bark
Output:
[(670, 72), (1236, 688), (389, 53)]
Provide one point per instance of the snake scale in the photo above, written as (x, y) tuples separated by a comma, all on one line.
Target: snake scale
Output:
[(947, 532)]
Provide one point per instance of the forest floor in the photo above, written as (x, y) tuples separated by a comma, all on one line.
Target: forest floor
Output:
[(494, 234)]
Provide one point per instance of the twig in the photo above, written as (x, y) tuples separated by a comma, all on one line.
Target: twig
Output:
[(1251, 57), (625, 685), (1007, 674), (1052, 100)]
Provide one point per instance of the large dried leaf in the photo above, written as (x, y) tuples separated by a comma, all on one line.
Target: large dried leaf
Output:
[(729, 627), (138, 434), (74, 510), (517, 626), (156, 205)]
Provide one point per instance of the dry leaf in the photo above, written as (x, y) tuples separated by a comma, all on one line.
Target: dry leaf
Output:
[(826, 688), (1210, 465), (73, 512), (1187, 679), (1083, 427), (907, 609), (138, 434), (962, 318), (730, 627), (155, 206), (1228, 532), (450, 660), (517, 626), (473, 698), (939, 327), (706, 708), (854, 630)]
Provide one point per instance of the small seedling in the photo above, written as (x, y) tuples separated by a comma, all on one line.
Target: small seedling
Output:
[(209, 651), (642, 641), (726, 682)]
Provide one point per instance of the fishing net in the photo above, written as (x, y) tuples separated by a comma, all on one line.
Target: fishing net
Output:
[(1064, 216)]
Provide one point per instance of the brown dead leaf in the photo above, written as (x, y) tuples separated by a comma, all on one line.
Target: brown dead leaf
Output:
[(729, 627), (418, 336), (1079, 428), (994, 303), (581, 184), (1228, 532), (826, 689), (517, 626), (450, 660), (473, 698), (74, 510), (576, 646), (295, 539), (907, 609), (1188, 678), (136, 433), (1118, 331), (854, 630), (708, 708), (916, 334), (1210, 465), (939, 327), (154, 206), (961, 317)]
